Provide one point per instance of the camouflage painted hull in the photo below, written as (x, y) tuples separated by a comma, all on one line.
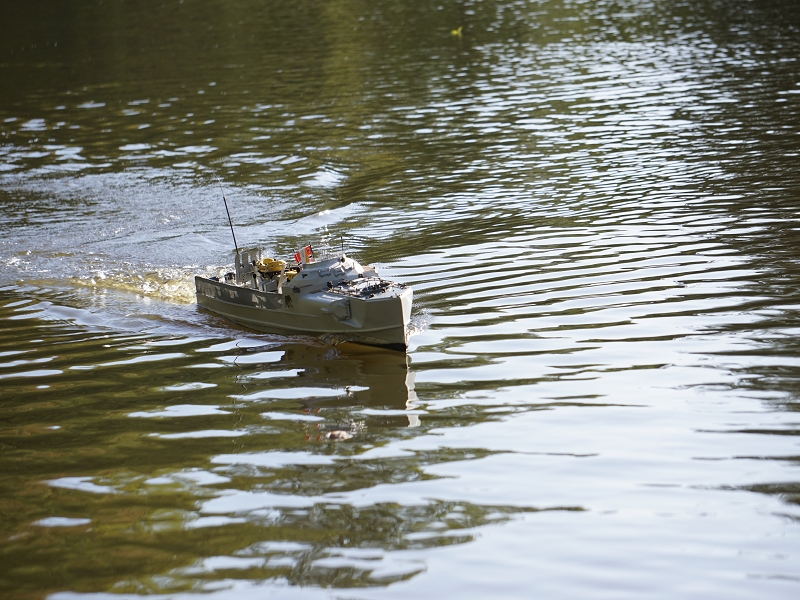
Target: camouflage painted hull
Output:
[(336, 315)]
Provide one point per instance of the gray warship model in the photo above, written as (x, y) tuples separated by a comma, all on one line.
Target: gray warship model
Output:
[(334, 297)]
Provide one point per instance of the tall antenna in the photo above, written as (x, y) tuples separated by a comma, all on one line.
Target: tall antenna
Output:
[(230, 221)]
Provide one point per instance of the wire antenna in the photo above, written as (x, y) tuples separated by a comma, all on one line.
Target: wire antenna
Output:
[(230, 221)]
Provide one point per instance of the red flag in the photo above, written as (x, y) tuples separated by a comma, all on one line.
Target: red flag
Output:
[(309, 253), (297, 257)]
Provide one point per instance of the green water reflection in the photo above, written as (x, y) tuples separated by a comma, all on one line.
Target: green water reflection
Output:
[(165, 440)]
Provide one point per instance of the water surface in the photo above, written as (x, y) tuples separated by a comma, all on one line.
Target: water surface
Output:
[(595, 203)]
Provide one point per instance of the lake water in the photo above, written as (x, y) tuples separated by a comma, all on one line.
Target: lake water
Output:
[(595, 203)]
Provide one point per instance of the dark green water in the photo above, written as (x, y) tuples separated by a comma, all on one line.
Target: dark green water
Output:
[(596, 204)]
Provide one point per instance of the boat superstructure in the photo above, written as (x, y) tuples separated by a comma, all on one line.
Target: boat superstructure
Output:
[(335, 297)]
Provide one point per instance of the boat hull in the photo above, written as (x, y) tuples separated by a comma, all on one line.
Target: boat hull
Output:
[(378, 321)]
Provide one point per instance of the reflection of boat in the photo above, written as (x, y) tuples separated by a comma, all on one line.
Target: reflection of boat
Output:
[(371, 377), (334, 297), (377, 385)]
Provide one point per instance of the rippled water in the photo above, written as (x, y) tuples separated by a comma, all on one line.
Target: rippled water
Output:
[(596, 205)]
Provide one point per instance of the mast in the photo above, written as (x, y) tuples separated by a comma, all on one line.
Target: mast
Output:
[(230, 221)]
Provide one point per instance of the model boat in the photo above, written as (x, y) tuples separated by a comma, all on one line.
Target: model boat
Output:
[(334, 297)]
